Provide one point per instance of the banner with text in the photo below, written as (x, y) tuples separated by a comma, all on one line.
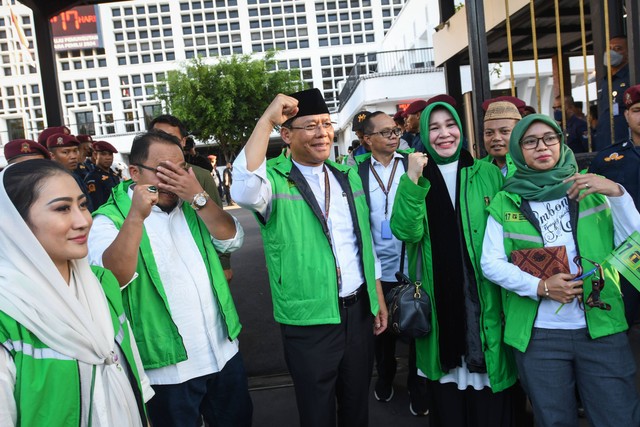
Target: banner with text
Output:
[(76, 29)]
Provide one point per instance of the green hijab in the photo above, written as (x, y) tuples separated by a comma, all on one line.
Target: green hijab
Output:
[(537, 185), (424, 132)]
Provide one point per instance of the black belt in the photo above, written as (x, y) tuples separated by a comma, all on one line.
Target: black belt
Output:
[(353, 298)]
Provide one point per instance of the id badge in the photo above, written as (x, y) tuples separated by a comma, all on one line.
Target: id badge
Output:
[(385, 230), (616, 109)]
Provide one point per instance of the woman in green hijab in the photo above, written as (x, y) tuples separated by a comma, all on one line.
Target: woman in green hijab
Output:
[(564, 331), (439, 211)]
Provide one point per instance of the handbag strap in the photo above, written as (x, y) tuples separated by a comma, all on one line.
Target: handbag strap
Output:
[(402, 258)]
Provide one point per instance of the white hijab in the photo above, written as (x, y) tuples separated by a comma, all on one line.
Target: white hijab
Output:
[(33, 292)]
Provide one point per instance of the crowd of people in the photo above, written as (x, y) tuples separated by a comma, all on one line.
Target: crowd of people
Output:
[(115, 306)]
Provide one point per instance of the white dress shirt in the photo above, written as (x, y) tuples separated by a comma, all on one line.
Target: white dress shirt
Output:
[(252, 190), (194, 308)]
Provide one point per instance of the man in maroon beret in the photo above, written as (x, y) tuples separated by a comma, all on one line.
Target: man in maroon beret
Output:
[(20, 150), (64, 150), (46, 133), (102, 179), (620, 162), (412, 123), (85, 162)]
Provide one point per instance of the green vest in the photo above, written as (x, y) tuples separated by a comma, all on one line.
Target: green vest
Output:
[(145, 300), (301, 264), (594, 241), (409, 223), (47, 390)]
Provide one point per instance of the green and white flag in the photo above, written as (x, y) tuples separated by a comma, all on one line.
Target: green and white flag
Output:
[(626, 259)]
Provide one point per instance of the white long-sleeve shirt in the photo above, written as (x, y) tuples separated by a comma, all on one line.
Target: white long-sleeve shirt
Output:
[(184, 277), (252, 190), (556, 232)]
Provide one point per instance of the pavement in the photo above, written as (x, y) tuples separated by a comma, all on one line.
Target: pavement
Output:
[(261, 346)]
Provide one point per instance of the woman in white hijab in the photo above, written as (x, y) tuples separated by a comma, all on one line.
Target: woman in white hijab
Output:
[(67, 357)]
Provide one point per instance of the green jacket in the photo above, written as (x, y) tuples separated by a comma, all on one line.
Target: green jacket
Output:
[(409, 222), (511, 167), (47, 390), (145, 301), (300, 261), (593, 234)]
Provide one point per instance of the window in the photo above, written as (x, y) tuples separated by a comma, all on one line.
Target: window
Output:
[(15, 129), (85, 123)]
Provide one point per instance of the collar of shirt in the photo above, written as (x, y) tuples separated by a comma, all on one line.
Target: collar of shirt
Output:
[(375, 162), (309, 170)]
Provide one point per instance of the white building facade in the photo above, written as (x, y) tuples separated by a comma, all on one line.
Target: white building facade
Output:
[(110, 91)]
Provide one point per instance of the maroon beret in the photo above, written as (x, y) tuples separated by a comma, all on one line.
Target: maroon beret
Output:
[(415, 107), (103, 146), (519, 103), (45, 134), (24, 147), (60, 140), (84, 138), (631, 96), (443, 98)]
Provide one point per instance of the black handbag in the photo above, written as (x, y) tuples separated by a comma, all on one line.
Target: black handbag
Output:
[(409, 307)]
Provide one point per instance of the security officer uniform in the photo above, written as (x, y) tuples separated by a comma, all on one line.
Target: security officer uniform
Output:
[(86, 166), (619, 83), (100, 181), (577, 136)]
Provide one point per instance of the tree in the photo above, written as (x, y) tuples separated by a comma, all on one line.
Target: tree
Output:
[(223, 101)]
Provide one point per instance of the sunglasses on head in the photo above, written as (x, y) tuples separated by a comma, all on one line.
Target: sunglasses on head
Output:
[(597, 284)]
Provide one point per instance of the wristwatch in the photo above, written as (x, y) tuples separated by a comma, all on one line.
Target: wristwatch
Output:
[(199, 200)]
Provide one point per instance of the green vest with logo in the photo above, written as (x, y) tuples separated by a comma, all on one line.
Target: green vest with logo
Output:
[(47, 389), (145, 300), (594, 242), (300, 261)]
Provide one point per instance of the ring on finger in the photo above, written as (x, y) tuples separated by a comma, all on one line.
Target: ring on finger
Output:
[(152, 189), (587, 186)]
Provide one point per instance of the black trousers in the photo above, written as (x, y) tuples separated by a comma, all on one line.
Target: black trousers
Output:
[(470, 407), (332, 364)]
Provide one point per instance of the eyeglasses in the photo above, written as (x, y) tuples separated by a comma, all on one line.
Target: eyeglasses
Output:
[(154, 170), (386, 133), (531, 142), (313, 127), (597, 284)]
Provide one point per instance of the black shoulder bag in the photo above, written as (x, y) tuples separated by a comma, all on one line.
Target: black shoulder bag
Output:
[(409, 306)]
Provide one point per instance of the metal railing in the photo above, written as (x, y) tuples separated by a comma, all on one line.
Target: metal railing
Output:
[(389, 63)]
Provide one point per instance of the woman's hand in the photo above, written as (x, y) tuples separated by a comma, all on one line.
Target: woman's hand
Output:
[(417, 162), (560, 287), (592, 183)]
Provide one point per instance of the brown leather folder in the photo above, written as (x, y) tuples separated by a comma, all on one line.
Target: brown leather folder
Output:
[(542, 262)]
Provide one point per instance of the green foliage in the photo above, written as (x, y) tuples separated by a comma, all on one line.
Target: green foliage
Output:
[(223, 101)]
